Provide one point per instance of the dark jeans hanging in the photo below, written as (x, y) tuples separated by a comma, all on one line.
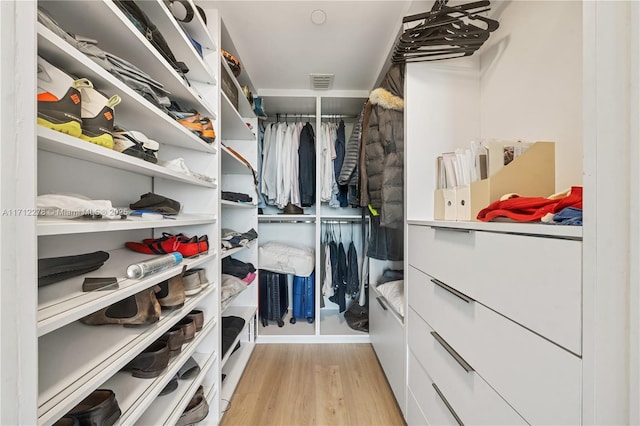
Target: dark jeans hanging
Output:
[(385, 243)]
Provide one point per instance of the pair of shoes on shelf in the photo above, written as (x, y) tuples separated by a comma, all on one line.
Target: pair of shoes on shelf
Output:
[(189, 370), (99, 408), (195, 280), (194, 121), (168, 243), (73, 106), (139, 309), (197, 409), (155, 358), (135, 144), (183, 331)]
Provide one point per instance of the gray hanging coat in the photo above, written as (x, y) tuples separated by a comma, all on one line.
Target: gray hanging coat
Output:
[(384, 148)]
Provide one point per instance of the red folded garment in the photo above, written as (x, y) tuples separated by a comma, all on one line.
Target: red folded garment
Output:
[(530, 209)]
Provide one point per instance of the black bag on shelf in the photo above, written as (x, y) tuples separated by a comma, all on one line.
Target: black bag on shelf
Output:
[(54, 269), (151, 33)]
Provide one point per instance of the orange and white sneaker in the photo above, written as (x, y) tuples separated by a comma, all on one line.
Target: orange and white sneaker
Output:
[(59, 99), (97, 117)]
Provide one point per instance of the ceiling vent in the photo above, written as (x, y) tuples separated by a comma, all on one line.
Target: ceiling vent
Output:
[(321, 81)]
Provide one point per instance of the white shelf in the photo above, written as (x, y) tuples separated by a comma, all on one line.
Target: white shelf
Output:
[(286, 217), (332, 323), (178, 41), (64, 302), (235, 205), (199, 31), (105, 22), (234, 369), (538, 229), (166, 409), (233, 125), (232, 165), (244, 107), (224, 253), (54, 226), (60, 143), (134, 112), (244, 312), (76, 359), (136, 395), (352, 218)]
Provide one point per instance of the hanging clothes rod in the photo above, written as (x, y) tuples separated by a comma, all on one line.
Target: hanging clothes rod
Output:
[(285, 221), (287, 115)]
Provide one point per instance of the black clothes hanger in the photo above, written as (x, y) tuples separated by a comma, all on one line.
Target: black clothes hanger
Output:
[(446, 32)]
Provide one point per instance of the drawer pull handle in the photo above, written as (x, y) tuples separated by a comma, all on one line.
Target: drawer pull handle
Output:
[(379, 299), (449, 407), (452, 290), (452, 352), (449, 228)]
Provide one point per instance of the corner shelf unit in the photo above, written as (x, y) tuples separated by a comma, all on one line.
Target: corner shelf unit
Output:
[(74, 359)]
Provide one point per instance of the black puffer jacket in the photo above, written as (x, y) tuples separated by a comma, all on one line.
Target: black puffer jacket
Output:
[(384, 149)]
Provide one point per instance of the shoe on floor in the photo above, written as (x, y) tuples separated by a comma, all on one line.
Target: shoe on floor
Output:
[(99, 408), (59, 99), (139, 309), (97, 117)]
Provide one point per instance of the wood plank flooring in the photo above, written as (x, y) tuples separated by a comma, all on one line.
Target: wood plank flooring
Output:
[(315, 384)]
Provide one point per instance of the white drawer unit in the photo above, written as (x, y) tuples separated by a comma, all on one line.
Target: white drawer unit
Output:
[(495, 321), (475, 401), (533, 280), (433, 403), (388, 338), (539, 379)]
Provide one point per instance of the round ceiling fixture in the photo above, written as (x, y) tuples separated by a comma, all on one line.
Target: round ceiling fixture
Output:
[(318, 17)]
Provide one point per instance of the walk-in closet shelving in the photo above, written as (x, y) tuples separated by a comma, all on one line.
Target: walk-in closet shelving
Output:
[(105, 22), (52, 141), (134, 111), (236, 131), (74, 358), (231, 164), (53, 226), (308, 229), (62, 303), (94, 360), (139, 396), (166, 409)]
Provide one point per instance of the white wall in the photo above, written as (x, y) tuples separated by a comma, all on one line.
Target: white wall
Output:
[(531, 79)]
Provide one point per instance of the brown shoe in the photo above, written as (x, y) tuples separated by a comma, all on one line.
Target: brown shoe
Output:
[(188, 328), (174, 339), (139, 309), (196, 411), (99, 408), (151, 362), (198, 317), (171, 294)]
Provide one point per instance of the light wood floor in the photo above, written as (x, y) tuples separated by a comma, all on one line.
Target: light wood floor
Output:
[(315, 384)]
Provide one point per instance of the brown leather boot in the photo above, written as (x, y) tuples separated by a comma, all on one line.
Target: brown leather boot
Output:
[(171, 294), (174, 339), (139, 309)]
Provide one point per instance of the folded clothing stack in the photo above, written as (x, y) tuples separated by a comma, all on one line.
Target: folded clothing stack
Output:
[(242, 270), (236, 197), (233, 239)]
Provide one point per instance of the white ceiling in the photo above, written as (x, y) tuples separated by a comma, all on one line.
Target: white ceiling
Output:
[(279, 46)]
